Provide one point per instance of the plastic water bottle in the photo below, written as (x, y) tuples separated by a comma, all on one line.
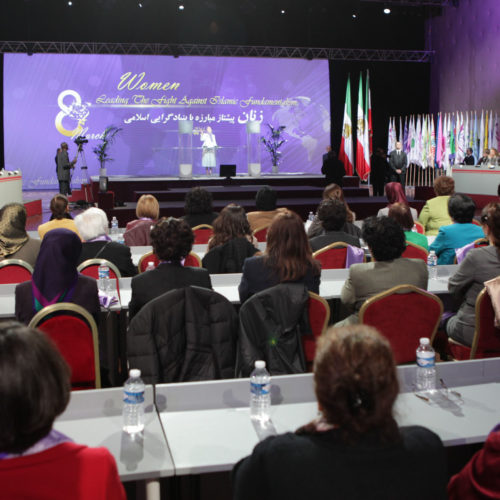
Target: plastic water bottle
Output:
[(414, 229), (432, 261), (114, 225), (310, 217), (426, 366), (151, 266), (133, 403), (104, 283), (260, 392)]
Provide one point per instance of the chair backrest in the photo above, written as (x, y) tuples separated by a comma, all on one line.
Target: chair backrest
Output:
[(14, 271), (90, 268), (202, 233), (145, 260), (319, 316), (414, 251), (481, 242), (419, 227), (476, 222), (333, 256), (260, 233), (192, 260), (403, 314), (486, 341), (74, 332)]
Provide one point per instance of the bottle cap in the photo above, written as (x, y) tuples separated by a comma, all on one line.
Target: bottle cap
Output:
[(260, 364), (134, 373), (425, 341)]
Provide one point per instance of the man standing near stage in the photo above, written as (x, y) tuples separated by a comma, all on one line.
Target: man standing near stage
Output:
[(332, 168), (398, 161), (64, 167), (208, 153)]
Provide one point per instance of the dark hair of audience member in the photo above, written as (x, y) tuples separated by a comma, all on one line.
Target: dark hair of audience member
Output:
[(230, 224), (59, 206), (334, 192), (461, 208), (265, 199), (332, 214), (198, 201), (444, 186), (395, 193), (34, 386), (172, 239), (15, 217), (356, 383), (147, 206), (401, 213), (287, 250), (384, 236), (490, 216)]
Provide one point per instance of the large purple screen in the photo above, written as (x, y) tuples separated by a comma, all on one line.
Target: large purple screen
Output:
[(51, 98)]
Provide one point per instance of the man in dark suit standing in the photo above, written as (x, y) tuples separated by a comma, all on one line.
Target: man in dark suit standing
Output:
[(332, 168), (64, 167), (398, 161), (380, 171)]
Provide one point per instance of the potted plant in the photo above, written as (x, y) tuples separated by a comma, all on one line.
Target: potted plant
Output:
[(272, 144), (101, 150)]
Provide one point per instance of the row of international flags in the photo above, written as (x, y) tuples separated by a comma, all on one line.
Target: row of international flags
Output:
[(444, 141)]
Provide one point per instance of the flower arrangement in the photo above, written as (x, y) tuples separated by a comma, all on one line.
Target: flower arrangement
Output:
[(273, 142), (108, 137)]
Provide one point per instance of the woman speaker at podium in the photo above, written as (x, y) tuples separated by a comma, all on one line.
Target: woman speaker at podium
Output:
[(208, 153)]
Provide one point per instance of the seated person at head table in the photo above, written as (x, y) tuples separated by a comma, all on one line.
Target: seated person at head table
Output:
[(15, 242), (198, 207), (485, 158), (402, 215), (386, 241), (334, 191), (172, 241), (479, 265), (147, 212), (55, 278), (332, 214), (93, 228), (354, 448), (458, 234), (265, 202), (469, 157), (38, 461), (59, 206), (435, 214), (287, 258), (231, 243), (395, 193)]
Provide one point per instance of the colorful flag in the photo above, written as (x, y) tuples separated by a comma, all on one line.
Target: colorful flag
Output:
[(432, 157), (346, 155), (439, 148), (460, 155), (475, 139), (362, 142), (481, 135), (368, 102), (486, 133), (496, 137)]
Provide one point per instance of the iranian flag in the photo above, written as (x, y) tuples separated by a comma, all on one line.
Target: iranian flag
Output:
[(346, 155), (363, 142), (368, 104)]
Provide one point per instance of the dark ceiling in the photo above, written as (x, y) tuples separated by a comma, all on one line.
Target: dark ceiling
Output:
[(310, 23)]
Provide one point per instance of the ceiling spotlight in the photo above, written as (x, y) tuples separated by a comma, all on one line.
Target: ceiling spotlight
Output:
[(282, 11), (70, 3), (354, 16), (387, 10), (140, 5), (181, 7)]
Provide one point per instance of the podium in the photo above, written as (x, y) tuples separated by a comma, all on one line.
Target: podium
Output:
[(185, 149), (253, 148)]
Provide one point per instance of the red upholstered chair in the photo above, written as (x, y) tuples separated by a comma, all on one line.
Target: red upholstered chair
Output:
[(414, 251), (419, 227), (202, 234), (145, 260), (403, 314), (260, 233), (319, 315), (332, 256), (14, 271), (192, 260), (476, 222), (486, 341), (90, 268), (74, 332), (481, 242)]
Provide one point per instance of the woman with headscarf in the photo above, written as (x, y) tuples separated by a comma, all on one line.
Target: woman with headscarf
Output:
[(14, 240), (56, 279)]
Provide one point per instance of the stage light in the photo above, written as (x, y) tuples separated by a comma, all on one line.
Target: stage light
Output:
[(354, 16), (181, 7), (140, 5), (387, 10), (70, 3), (282, 11)]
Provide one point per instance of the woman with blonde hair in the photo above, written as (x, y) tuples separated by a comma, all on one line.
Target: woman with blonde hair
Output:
[(137, 232)]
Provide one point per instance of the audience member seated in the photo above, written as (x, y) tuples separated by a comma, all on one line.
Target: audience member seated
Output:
[(435, 212), (479, 265), (458, 234), (265, 202), (59, 206), (14, 240), (334, 192), (287, 258), (386, 241), (55, 278), (354, 448), (479, 479), (402, 215), (198, 208), (36, 460), (93, 228), (231, 243), (332, 215), (147, 212), (395, 193), (172, 241)]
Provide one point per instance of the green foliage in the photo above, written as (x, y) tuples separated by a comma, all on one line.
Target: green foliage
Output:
[(273, 142), (108, 137)]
